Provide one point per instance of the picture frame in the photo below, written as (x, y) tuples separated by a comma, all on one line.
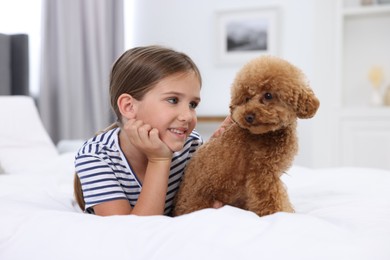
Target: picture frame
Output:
[(242, 34)]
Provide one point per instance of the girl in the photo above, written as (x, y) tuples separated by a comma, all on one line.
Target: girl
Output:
[(135, 167)]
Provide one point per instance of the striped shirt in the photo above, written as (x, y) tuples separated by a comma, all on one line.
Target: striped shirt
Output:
[(106, 175)]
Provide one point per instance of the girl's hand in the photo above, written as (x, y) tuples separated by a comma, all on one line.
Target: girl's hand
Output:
[(217, 204), (146, 138), (225, 124)]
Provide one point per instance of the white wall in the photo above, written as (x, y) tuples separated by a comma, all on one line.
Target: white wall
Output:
[(189, 26), (307, 39)]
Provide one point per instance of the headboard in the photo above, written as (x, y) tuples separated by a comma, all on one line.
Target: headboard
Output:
[(14, 64)]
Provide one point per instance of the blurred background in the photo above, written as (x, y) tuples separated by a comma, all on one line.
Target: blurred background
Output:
[(341, 46)]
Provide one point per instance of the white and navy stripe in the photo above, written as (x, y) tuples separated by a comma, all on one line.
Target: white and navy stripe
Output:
[(106, 175)]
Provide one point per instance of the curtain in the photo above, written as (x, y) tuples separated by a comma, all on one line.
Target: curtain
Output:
[(81, 40)]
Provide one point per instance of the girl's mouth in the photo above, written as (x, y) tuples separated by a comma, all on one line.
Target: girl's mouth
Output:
[(179, 132)]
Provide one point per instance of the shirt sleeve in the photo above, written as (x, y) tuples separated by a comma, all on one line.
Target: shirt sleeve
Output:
[(98, 181), (196, 141)]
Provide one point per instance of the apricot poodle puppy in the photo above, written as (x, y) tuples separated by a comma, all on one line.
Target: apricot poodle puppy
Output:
[(242, 167)]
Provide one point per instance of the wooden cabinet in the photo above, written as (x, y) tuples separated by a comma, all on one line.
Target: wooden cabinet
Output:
[(365, 138)]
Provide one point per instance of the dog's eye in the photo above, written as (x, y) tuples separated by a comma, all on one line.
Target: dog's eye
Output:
[(247, 99), (268, 96)]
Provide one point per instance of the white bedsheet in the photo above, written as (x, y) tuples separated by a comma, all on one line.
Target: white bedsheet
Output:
[(341, 213)]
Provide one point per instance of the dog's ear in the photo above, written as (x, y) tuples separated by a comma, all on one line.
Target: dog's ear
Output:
[(306, 103)]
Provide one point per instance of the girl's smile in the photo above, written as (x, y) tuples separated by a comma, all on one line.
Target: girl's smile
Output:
[(179, 132), (170, 107)]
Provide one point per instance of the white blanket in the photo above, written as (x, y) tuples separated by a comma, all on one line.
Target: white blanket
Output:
[(341, 213)]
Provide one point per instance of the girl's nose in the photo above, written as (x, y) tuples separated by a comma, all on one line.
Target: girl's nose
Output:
[(186, 114)]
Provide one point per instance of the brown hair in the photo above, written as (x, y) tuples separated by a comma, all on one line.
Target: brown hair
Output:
[(135, 72), (78, 192), (139, 69)]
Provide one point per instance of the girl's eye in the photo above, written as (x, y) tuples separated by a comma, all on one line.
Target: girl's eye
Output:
[(173, 100), (194, 105)]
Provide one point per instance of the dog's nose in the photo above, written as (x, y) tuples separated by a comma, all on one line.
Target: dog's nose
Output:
[(250, 118)]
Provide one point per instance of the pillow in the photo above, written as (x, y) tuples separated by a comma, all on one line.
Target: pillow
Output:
[(25, 146)]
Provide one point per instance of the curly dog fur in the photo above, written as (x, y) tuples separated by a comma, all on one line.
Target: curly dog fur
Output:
[(242, 167)]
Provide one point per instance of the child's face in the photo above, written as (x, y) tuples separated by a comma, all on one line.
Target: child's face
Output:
[(170, 107)]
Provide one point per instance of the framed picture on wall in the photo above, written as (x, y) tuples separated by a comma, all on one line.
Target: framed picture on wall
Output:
[(245, 34)]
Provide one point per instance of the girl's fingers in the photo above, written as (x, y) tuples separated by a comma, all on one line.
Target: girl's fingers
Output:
[(144, 132), (154, 137), (146, 138), (227, 122), (143, 135), (224, 125), (217, 204)]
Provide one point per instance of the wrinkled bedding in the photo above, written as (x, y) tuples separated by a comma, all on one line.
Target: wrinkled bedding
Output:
[(341, 213)]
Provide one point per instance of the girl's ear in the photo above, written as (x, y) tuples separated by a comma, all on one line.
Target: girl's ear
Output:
[(127, 106)]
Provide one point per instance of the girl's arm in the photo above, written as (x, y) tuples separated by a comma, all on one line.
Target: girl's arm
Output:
[(225, 124), (151, 200)]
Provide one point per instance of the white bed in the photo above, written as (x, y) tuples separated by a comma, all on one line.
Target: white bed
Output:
[(341, 213)]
